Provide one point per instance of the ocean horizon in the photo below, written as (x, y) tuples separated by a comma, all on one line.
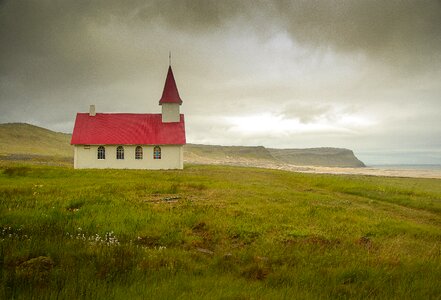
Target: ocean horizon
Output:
[(406, 166)]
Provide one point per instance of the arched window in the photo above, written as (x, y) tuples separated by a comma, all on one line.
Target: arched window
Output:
[(120, 152), (101, 152), (138, 152), (157, 152)]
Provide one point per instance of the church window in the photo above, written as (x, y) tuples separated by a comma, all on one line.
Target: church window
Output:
[(138, 152), (101, 152), (157, 152), (120, 152)]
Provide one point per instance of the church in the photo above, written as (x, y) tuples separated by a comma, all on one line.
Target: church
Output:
[(132, 140)]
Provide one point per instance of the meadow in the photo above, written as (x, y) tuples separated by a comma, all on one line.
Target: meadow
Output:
[(216, 232)]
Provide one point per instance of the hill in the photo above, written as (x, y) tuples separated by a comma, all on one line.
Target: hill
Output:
[(19, 141), (241, 155), (22, 139), (326, 157), (195, 153), (216, 232)]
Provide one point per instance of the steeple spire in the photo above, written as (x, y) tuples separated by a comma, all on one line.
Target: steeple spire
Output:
[(170, 93)]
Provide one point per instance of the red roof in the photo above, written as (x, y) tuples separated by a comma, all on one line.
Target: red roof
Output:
[(127, 129), (170, 93)]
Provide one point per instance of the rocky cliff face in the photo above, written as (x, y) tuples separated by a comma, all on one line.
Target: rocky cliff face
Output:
[(326, 157)]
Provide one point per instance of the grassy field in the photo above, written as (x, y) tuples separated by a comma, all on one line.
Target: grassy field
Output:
[(215, 232)]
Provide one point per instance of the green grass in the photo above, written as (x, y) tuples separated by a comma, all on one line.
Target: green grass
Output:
[(215, 232)]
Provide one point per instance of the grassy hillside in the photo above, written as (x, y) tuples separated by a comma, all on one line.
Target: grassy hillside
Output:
[(215, 152), (20, 142), (22, 139), (216, 232)]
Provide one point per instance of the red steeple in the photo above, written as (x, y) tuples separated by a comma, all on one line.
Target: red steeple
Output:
[(170, 93)]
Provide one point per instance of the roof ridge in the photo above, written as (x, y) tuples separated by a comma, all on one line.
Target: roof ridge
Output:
[(120, 113)]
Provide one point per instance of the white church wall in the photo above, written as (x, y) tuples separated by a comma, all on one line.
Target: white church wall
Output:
[(170, 112), (86, 157)]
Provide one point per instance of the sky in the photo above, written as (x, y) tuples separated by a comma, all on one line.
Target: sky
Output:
[(363, 75)]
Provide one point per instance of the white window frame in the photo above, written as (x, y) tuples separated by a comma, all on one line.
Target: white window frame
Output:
[(155, 156), (101, 152), (120, 153), (138, 152)]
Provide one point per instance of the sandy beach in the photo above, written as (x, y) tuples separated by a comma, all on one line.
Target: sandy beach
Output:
[(368, 171)]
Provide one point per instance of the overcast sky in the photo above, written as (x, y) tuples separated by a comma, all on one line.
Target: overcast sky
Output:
[(364, 75)]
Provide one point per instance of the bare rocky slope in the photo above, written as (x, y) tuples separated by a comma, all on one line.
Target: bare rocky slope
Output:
[(21, 141)]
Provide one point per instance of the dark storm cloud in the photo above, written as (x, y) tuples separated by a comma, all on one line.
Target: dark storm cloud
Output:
[(395, 32), (56, 39), (51, 42), (400, 33), (199, 15)]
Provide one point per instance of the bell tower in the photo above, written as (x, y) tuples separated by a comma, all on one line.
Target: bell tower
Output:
[(170, 100)]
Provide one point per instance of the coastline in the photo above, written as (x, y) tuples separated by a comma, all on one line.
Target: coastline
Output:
[(384, 170), (374, 171)]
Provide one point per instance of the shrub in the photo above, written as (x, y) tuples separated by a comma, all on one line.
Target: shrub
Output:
[(16, 171)]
